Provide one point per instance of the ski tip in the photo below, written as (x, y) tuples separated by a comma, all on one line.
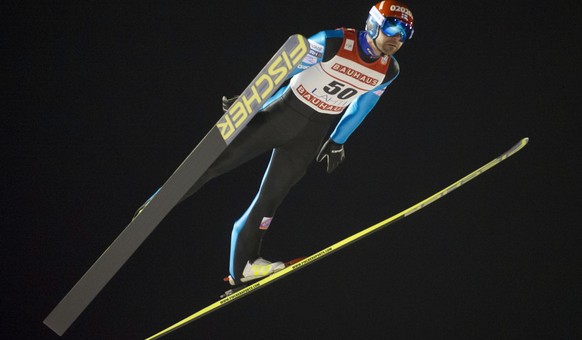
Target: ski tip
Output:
[(520, 145)]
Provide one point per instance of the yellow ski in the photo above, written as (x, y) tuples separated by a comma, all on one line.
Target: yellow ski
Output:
[(341, 244)]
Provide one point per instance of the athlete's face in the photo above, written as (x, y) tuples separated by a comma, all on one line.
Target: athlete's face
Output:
[(388, 45)]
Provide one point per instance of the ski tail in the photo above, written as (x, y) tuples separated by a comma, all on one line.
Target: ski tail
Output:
[(341, 244)]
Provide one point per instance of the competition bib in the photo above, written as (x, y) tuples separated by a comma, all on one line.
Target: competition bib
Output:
[(331, 86)]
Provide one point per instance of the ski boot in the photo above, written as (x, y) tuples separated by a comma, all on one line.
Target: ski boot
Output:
[(259, 269)]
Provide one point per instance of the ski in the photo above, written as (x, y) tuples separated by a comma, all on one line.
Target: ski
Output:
[(339, 245), (264, 85)]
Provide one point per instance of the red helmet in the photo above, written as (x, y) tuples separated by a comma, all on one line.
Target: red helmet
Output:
[(392, 18)]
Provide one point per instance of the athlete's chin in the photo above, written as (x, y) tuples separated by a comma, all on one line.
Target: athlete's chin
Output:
[(390, 49)]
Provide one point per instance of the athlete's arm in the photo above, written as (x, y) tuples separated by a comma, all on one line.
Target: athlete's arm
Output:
[(333, 149), (359, 109)]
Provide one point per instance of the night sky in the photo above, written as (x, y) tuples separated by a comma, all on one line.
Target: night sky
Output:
[(101, 103)]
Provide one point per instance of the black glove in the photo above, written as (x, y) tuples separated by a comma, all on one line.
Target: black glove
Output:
[(227, 102), (334, 153)]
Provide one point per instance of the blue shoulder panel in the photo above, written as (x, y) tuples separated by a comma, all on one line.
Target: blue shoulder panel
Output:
[(314, 56), (317, 43)]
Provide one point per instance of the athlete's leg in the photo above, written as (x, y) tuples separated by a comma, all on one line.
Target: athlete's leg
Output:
[(262, 134), (287, 166), (266, 131)]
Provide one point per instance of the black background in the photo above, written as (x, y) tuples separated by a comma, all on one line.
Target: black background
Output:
[(102, 101)]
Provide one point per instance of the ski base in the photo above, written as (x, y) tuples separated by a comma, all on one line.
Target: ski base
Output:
[(264, 85)]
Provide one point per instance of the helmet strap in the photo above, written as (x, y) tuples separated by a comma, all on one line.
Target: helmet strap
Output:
[(365, 45)]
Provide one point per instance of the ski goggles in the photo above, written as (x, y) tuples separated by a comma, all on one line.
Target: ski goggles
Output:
[(394, 26)]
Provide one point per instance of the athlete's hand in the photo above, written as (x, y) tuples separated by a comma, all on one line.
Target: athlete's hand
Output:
[(334, 153), (227, 102)]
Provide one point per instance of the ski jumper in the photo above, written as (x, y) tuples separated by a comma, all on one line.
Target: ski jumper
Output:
[(336, 76)]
